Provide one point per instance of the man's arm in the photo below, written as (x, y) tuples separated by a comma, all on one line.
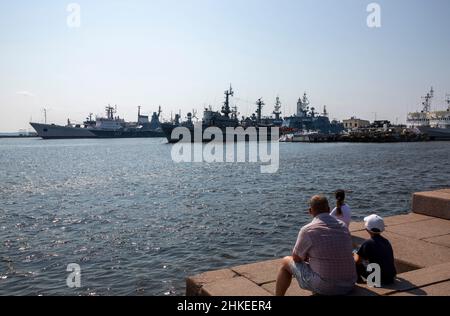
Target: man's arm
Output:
[(302, 246), (296, 258)]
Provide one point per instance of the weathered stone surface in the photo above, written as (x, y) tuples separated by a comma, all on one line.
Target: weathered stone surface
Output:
[(416, 253), (403, 267), (436, 203), (439, 289), (407, 218), (237, 286), (422, 229), (440, 240), (362, 290), (405, 282), (356, 226), (261, 272), (436, 273), (417, 279), (194, 284), (393, 221), (294, 289)]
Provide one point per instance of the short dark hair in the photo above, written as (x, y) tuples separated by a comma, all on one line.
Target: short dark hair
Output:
[(319, 204)]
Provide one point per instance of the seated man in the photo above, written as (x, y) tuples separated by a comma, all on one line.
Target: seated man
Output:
[(322, 260), (376, 250)]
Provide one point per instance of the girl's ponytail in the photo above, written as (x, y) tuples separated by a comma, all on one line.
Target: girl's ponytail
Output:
[(340, 199)]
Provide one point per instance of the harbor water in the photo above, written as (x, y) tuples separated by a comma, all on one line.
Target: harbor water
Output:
[(138, 224)]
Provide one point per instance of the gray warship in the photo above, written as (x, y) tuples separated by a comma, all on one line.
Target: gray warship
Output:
[(226, 118), (110, 126), (306, 119)]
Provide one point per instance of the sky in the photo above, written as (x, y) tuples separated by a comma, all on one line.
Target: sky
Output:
[(183, 55)]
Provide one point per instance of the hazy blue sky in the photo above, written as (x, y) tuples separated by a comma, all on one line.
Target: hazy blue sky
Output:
[(183, 54)]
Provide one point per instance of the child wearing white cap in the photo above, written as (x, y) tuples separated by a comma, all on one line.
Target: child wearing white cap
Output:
[(377, 250)]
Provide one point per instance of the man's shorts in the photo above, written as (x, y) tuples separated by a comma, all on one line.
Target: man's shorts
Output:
[(311, 281), (304, 275)]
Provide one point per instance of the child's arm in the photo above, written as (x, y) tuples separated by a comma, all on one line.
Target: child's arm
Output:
[(357, 258)]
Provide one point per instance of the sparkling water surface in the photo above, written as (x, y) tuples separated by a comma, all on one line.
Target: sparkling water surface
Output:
[(138, 224)]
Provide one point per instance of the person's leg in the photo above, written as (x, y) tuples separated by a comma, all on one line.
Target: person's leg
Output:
[(284, 278), (361, 272)]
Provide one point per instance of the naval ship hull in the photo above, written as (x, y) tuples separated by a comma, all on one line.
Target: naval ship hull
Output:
[(435, 133), (48, 131), (168, 129), (131, 133)]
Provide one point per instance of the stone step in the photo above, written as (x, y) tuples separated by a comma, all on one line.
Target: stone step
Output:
[(435, 203), (421, 242)]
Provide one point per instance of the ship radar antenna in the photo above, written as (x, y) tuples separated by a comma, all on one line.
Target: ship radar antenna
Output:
[(194, 114), (325, 112), (226, 110), (260, 105), (234, 112), (427, 101), (45, 115), (277, 108), (305, 99)]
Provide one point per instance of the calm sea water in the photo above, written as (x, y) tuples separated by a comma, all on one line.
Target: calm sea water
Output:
[(138, 224)]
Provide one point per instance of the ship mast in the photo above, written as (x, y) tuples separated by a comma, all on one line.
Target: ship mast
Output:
[(305, 100), (447, 99), (226, 110), (234, 112), (302, 105), (277, 108), (427, 101), (260, 105), (110, 112)]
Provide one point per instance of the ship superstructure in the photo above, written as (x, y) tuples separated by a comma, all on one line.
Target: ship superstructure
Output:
[(226, 118), (436, 124), (307, 119)]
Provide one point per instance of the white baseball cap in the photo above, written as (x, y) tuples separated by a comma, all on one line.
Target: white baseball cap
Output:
[(374, 223)]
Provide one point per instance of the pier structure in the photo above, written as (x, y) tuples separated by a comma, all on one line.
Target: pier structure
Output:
[(421, 242)]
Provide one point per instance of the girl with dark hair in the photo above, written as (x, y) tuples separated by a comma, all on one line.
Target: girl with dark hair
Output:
[(342, 211)]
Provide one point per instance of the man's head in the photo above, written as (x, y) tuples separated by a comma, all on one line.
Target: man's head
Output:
[(318, 205)]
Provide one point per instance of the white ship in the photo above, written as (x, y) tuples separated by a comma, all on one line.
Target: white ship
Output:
[(436, 124)]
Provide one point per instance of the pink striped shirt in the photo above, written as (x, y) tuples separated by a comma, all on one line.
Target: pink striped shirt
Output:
[(326, 245)]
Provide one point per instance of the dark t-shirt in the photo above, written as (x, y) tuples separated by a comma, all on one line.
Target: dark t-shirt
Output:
[(379, 250)]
